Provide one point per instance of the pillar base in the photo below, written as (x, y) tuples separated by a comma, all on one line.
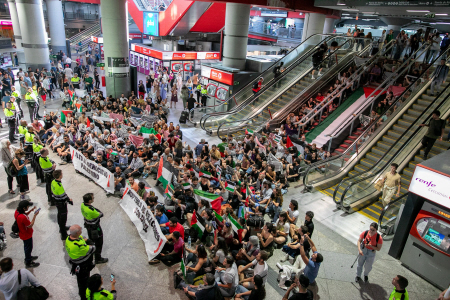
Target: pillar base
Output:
[(117, 86), (37, 66), (56, 49)]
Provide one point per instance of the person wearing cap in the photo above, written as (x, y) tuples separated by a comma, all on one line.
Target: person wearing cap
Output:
[(61, 199), (80, 257), (92, 217), (47, 166), (26, 230), (302, 283)]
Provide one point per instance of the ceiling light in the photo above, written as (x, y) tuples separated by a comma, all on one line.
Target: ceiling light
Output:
[(341, 2), (442, 23), (369, 13), (350, 9), (441, 14), (345, 14), (418, 11)]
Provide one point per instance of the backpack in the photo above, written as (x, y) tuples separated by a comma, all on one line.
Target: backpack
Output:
[(378, 236), (31, 292), (255, 85)]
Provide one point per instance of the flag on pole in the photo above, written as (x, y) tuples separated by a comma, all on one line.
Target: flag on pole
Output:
[(183, 263), (204, 173), (234, 224), (213, 199), (164, 175), (198, 224), (79, 107), (167, 192), (218, 216), (218, 172), (230, 186), (289, 143), (64, 114), (249, 131), (72, 96), (248, 194)]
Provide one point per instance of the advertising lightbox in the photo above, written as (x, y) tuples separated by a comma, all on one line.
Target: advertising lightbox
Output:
[(151, 23)]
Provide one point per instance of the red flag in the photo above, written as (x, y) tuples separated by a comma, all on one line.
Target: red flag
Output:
[(160, 168), (88, 122), (159, 137), (289, 143)]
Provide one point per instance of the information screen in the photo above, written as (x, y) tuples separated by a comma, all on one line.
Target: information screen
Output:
[(435, 232), (151, 23)]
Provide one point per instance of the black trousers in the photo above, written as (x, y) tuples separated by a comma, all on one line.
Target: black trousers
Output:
[(428, 143), (48, 187), (82, 281), (10, 180), (97, 238), (169, 260), (31, 110), (62, 218), (12, 129)]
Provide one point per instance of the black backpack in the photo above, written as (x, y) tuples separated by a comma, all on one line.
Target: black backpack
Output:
[(255, 85), (31, 292), (378, 236)]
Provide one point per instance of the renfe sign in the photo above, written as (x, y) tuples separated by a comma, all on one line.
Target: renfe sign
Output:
[(218, 75), (431, 185)]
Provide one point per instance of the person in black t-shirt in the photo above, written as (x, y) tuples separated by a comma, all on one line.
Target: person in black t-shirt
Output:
[(191, 103), (277, 73), (302, 282), (64, 150)]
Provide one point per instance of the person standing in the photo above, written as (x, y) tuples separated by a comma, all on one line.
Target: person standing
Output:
[(9, 279), (257, 85), (92, 224), (435, 131), (439, 76), (61, 199), (392, 181), (399, 293), (26, 230), (47, 166), (204, 93), (7, 155), (369, 242), (31, 103), (80, 257), (276, 74), (11, 120), (22, 172)]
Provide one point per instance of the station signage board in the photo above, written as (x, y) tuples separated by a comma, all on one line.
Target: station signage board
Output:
[(218, 75), (431, 185), (151, 23), (174, 55), (97, 39)]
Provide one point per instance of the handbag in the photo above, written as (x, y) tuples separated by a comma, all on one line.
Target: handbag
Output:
[(255, 221), (31, 292), (379, 185), (11, 169)]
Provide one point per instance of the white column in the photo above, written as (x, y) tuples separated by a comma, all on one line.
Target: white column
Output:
[(115, 41), (329, 25), (56, 25), (17, 33), (313, 24), (34, 35), (237, 18)]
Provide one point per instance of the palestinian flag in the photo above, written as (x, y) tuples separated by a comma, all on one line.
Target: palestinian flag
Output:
[(164, 175), (186, 186), (64, 114), (148, 130), (248, 131), (79, 107), (236, 226), (198, 224), (248, 194), (72, 96), (289, 143), (167, 192), (88, 122), (159, 137), (229, 186), (213, 199), (183, 264), (218, 216), (277, 138), (242, 212), (204, 173)]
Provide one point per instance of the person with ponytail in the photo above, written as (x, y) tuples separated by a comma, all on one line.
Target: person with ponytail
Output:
[(96, 292), (258, 293)]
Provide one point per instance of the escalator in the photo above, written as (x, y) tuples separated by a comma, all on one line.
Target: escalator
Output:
[(293, 84)]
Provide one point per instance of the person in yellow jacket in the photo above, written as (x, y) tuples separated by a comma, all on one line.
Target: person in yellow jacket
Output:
[(22, 131), (47, 166), (198, 91), (75, 81), (37, 146), (17, 96), (28, 142), (32, 103), (95, 290), (81, 257), (11, 120), (61, 199), (204, 93)]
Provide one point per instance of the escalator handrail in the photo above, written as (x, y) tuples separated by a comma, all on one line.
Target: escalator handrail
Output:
[(296, 97), (268, 70), (269, 84), (317, 109), (374, 122), (385, 209), (397, 152)]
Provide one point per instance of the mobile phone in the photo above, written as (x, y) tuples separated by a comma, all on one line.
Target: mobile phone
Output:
[(112, 277), (37, 210)]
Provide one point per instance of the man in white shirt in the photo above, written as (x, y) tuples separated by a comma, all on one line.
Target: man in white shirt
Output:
[(260, 268), (435, 47), (228, 276), (69, 61), (69, 73), (9, 281)]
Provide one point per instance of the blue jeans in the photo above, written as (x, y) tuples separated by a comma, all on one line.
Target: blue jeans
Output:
[(149, 90), (28, 248), (46, 136), (118, 187), (275, 210), (122, 167), (240, 289)]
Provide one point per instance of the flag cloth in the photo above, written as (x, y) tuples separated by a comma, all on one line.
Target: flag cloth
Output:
[(261, 146), (148, 130), (218, 217), (204, 174), (186, 186), (116, 116), (72, 96), (167, 191), (229, 186), (183, 263), (277, 138), (213, 199), (158, 136), (248, 131), (136, 140), (289, 143), (88, 122), (241, 212), (198, 224), (79, 107), (234, 224), (64, 115), (248, 194), (164, 175)]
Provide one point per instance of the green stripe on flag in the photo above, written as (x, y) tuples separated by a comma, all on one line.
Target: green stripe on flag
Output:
[(219, 217), (199, 228), (236, 226), (205, 195), (205, 173)]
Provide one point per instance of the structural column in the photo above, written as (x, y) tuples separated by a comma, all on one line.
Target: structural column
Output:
[(56, 25), (314, 24), (34, 35), (115, 45), (329, 25), (17, 33), (237, 18)]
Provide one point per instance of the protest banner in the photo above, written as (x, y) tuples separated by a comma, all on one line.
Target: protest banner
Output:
[(145, 222), (91, 169)]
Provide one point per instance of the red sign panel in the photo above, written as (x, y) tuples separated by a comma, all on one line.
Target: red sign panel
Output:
[(95, 39), (221, 76), (148, 52), (212, 55), (184, 56)]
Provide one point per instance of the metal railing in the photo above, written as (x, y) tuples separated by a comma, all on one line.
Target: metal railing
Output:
[(261, 111), (386, 227), (337, 164)]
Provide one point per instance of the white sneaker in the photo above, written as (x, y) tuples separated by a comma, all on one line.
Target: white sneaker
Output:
[(312, 77), (320, 74), (285, 258)]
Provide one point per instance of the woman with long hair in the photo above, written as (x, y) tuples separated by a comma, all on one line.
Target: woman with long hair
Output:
[(7, 155), (174, 97), (95, 290), (266, 238), (199, 258), (258, 293), (22, 172)]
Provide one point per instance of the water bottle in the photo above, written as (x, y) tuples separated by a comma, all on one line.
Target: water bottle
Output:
[(45, 112), (189, 242)]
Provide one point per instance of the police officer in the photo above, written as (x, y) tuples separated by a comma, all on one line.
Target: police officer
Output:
[(31, 103), (204, 93), (16, 95), (81, 258), (47, 167), (92, 224), (61, 199), (198, 91), (28, 142), (369, 242), (11, 120), (22, 131), (37, 146), (75, 80), (15, 109)]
